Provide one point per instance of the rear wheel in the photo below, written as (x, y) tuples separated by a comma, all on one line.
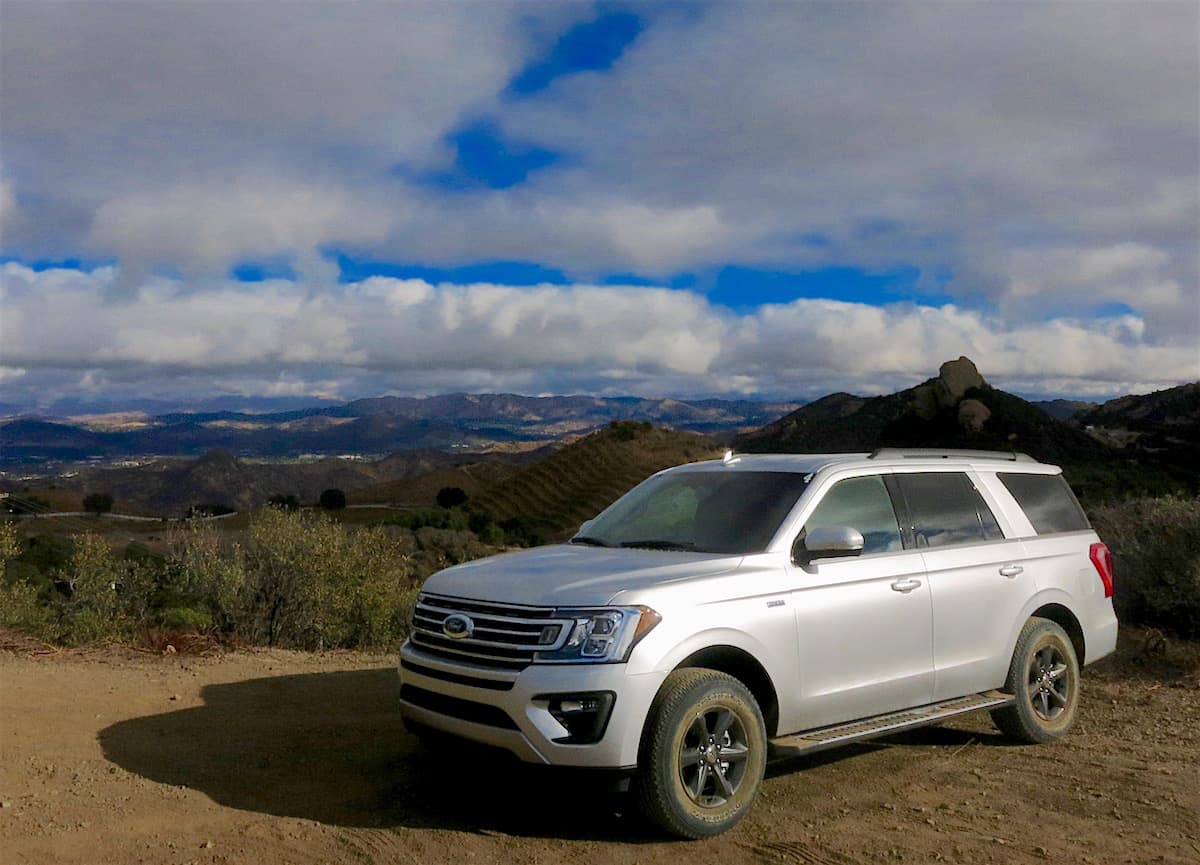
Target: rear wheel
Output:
[(703, 754), (1044, 677)]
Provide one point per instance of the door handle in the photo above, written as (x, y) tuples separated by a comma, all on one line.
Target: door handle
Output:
[(1011, 570), (905, 586)]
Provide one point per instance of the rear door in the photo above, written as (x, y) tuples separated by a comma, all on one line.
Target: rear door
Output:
[(978, 579)]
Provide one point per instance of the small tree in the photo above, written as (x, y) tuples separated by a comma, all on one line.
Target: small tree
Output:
[(98, 503), (451, 497), (333, 500), (288, 502)]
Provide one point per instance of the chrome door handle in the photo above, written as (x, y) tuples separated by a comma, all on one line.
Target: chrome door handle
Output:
[(905, 586), (1011, 570)]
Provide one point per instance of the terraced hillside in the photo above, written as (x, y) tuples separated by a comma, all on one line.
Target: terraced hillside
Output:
[(559, 492), (472, 479)]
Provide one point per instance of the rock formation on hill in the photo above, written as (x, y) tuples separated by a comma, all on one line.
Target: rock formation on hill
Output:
[(955, 409)]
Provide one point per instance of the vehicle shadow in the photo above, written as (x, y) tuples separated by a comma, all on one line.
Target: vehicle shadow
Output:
[(331, 747)]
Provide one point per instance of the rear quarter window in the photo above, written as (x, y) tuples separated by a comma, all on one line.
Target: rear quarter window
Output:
[(1047, 501)]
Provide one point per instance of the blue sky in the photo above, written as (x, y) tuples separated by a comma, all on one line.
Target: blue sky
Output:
[(687, 199)]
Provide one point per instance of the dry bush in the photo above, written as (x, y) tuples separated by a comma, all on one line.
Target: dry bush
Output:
[(312, 583), (1156, 554)]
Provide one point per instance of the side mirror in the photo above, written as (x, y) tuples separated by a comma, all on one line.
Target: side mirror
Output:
[(583, 528), (827, 542)]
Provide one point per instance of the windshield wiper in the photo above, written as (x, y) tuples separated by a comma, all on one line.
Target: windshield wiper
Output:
[(590, 541), (653, 544)]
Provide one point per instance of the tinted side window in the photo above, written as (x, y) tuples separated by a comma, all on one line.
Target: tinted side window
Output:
[(946, 509), (1047, 501), (864, 504)]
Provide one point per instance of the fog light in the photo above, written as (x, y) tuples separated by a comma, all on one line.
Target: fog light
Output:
[(585, 716)]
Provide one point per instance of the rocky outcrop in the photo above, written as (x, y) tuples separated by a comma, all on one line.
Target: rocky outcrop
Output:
[(954, 379)]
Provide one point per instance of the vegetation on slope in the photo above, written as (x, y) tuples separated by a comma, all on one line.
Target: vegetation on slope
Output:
[(553, 496), (1156, 556)]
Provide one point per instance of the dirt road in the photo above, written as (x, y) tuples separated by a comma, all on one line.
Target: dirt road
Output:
[(118, 757)]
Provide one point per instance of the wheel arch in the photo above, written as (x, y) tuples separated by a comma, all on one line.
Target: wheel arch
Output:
[(1065, 619), (746, 669)]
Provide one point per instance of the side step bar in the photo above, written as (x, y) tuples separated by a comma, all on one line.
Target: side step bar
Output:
[(811, 741)]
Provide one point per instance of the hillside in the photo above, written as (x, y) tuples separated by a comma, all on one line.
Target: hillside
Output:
[(556, 494), (955, 409), (1065, 409), (170, 487), (959, 409), (471, 478), (1168, 417), (1160, 429)]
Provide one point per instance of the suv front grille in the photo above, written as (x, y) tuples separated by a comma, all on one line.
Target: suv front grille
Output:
[(503, 636)]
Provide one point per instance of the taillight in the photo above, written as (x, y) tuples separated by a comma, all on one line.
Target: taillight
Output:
[(1102, 560)]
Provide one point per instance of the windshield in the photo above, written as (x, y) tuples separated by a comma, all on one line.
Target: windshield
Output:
[(702, 511)]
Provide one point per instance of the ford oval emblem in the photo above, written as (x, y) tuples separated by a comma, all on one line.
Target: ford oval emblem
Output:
[(458, 626)]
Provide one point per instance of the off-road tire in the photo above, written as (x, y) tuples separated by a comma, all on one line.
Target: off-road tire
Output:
[(1044, 678), (683, 786)]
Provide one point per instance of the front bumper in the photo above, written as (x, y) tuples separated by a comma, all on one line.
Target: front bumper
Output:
[(498, 707)]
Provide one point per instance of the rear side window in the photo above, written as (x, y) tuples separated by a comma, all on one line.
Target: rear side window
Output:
[(1047, 501), (946, 509)]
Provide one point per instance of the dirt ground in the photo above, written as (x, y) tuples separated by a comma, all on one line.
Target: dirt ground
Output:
[(116, 756)]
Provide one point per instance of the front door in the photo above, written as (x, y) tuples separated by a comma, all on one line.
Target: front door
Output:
[(863, 622)]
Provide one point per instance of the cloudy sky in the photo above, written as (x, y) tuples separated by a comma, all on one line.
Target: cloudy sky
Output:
[(290, 199)]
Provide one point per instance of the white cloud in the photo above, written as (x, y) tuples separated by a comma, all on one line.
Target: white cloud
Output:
[(409, 336), (1037, 162), (213, 224)]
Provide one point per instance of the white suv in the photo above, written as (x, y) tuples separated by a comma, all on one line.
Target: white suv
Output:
[(723, 611)]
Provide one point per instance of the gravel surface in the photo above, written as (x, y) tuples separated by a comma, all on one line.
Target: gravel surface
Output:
[(118, 756)]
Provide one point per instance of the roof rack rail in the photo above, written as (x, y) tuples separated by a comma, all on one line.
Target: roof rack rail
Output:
[(944, 453)]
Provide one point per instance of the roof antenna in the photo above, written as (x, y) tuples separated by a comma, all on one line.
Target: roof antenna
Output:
[(729, 459)]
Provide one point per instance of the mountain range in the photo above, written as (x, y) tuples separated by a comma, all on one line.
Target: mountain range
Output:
[(1130, 446), (375, 426)]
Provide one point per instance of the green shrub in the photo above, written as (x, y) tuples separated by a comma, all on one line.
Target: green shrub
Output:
[(10, 545), (186, 619), (21, 608), (455, 519), (205, 573), (312, 583), (102, 596), (1156, 556)]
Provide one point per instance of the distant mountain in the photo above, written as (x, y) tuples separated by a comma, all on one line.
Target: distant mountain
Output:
[(1173, 414), (367, 426), (1065, 409), (959, 409), (1160, 428)]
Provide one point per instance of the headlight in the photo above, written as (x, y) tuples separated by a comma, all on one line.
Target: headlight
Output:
[(601, 635)]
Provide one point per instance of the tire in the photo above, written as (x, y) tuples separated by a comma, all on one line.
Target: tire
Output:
[(683, 786), (1044, 678)]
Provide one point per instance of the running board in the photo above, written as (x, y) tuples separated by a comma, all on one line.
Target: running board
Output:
[(881, 725)]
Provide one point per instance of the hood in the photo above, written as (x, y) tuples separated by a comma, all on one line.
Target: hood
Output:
[(571, 574)]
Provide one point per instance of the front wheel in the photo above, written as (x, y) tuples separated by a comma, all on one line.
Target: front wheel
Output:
[(1044, 678), (703, 754)]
